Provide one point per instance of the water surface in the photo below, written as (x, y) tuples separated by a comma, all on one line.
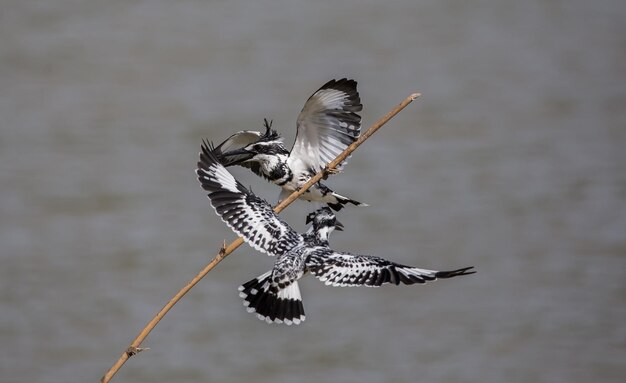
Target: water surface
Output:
[(512, 161)]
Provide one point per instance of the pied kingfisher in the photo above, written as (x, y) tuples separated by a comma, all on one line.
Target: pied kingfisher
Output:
[(275, 296), (326, 126)]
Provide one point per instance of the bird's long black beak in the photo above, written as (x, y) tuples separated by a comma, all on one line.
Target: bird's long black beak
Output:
[(338, 225), (242, 155), (238, 152)]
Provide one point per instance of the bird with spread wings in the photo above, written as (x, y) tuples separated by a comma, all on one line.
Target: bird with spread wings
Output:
[(275, 295), (328, 123)]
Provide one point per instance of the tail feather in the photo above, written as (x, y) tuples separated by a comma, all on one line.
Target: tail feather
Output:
[(339, 201), (271, 303)]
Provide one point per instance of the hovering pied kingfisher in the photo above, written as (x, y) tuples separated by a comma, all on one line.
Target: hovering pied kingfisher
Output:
[(326, 126), (275, 296)]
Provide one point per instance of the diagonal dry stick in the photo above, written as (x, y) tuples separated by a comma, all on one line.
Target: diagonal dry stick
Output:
[(226, 250)]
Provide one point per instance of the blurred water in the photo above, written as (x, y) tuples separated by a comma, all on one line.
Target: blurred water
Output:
[(512, 161)]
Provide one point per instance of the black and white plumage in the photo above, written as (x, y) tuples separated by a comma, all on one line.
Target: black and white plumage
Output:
[(275, 296), (328, 123)]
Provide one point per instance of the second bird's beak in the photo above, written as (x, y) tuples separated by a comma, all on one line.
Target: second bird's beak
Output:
[(338, 226), (237, 152), (245, 155)]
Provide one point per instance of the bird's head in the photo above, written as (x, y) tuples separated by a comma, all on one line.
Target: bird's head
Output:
[(323, 222), (269, 145)]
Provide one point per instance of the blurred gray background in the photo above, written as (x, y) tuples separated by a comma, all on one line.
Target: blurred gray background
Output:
[(513, 161)]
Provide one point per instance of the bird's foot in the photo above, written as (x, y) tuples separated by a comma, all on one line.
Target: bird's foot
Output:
[(132, 350), (330, 171), (222, 250)]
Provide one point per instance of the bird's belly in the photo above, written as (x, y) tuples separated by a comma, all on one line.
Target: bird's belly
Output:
[(314, 193)]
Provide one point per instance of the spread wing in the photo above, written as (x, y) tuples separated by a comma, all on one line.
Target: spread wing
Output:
[(345, 269), (237, 141), (246, 214), (328, 124)]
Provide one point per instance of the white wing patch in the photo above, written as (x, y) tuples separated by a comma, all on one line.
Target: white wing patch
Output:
[(328, 124), (223, 176)]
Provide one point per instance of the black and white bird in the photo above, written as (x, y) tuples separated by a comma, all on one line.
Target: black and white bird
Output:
[(275, 296), (328, 123)]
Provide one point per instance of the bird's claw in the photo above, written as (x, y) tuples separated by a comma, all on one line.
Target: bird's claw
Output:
[(223, 248), (330, 171), (132, 350)]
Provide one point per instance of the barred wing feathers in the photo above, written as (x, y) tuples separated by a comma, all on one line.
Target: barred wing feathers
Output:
[(345, 269), (246, 214)]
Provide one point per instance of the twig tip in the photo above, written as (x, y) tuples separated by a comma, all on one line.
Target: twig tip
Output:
[(415, 95)]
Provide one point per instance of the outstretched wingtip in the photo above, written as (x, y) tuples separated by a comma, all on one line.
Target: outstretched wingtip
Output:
[(342, 82), (207, 146), (455, 273), (207, 155)]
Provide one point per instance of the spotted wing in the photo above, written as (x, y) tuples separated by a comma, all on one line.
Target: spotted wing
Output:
[(246, 214), (328, 124), (344, 269)]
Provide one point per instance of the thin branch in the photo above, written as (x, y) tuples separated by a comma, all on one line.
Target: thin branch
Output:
[(134, 348)]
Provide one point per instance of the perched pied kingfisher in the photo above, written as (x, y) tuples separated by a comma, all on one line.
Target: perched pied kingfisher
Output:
[(326, 126), (275, 296)]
